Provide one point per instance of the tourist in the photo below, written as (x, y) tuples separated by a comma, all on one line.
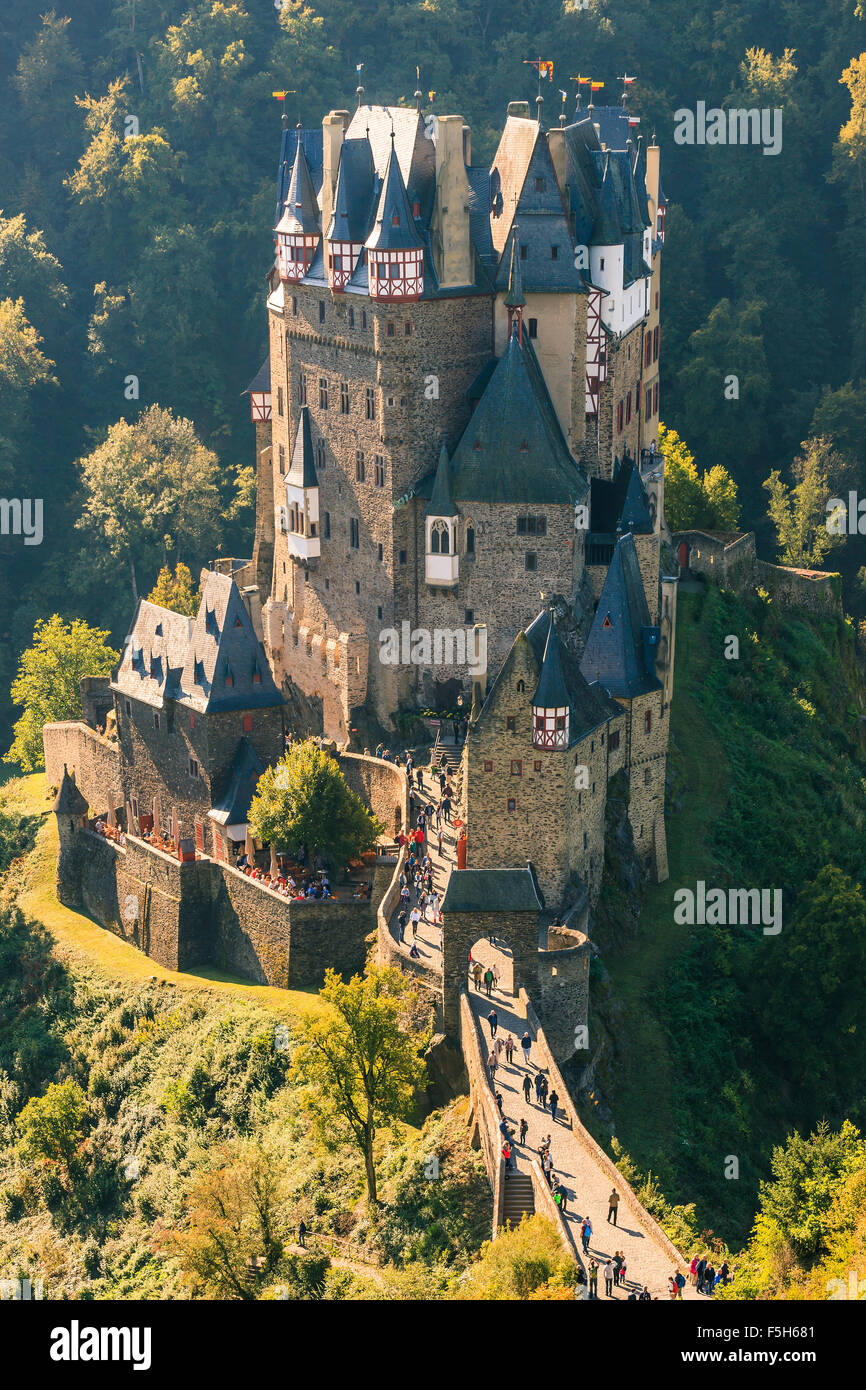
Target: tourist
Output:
[(497, 1048), (476, 974), (302, 1233), (542, 1087), (414, 919), (493, 1020), (710, 1280), (539, 1081), (593, 1279), (439, 833), (585, 1233), (488, 980), (693, 1270), (526, 1044), (414, 953), (724, 1273), (557, 1195), (644, 1296), (419, 777), (442, 780), (492, 1064), (380, 748), (554, 1102), (672, 1288), (527, 1089), (509, 1049), (446, 809), (498, 1097), (401, 924), (547, 1167), (495, 969), (617, 1266), (524, 1126), (507, 1155), (612, 1204), (608, 1279), (680, 1281), (700, 1271)]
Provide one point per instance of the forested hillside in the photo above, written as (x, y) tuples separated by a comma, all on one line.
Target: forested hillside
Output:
[(144, 257)]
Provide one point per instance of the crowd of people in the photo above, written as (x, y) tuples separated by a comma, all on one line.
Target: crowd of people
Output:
[(428, 816)]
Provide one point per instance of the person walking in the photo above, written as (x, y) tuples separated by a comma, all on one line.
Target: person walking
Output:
[(476, 974), (547, 1165), (543, 1091), (710, 1281), (680, 1281), (527, 1090), (488, 980), (495, 969), (524, 1126), (585, 1233), (693, 1267), (419, 777), (509, 1049), (700, 1272), (302, 1233), (608, 1279), (612, 1204), (538, 1092), (617, 1266), (526, 1044), (554, 1102), (593, 1279), (493, 1020), (401, 923), (563, 1198), (414, 919)]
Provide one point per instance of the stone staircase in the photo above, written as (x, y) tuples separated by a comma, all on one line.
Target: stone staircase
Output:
[(448, 753), (517, 1198)]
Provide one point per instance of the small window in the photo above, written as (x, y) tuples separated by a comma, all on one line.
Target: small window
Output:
[(488, 767), (407, 329), (351, 318), (321, 311), (320, 453), (128, 704), (613, 742), (354, 533), (469, 616), (279, 400), (323, 393), (470, 540), (648, 722), (516, 767), (540, 185), (628, 407), (523, 253), (357, 586), (530, 561), (510, 723), (619, 417), (380, 613), (363, 320), (379, 471), (327, 526), (381, 552), (359, 465), (370, 402), (585, 840), (536, 766), (344, 397), (155, 720), (656, 399), (533, 328), (647, 776), (402, 557), (281, 458), (554, 253), (302, 389), (390, 329), (521, 687), (512, 804), (294, 305), (193, 767), (601, 263)]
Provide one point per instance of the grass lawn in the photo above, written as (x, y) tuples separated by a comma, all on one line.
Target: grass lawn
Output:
[(79, 936)]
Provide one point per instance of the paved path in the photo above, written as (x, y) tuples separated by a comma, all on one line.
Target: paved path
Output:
[(587, 1186), (427, 936)]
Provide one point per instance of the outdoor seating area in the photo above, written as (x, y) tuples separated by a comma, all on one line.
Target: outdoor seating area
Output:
[(293, 878)]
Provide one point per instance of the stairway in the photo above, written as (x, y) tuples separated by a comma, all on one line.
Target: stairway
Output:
[(518, 1198), (449, 754)]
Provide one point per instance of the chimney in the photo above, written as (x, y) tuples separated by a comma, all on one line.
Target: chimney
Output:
[(467, 145), (518, 108), (651, 155), (333, 129), (452, 247), (556, 145)]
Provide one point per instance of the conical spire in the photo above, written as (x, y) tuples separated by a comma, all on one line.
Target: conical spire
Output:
[(514, 296), (301, 215), (69, 800), (551, 692), (302, 472), (394, 228), (440, 503)]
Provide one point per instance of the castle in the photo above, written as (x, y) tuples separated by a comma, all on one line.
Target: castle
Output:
[(460, 501)]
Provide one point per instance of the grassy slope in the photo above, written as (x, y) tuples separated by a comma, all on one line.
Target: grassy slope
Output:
[(747, 770)]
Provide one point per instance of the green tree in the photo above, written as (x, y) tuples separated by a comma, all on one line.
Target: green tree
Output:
[(525, 1262), (151, 487), (799, 512), (706, 502), (54, 1126), (362, 1062), (48, 683), (35, 990), (806, 1176), (23, 369), (175, 590), (304, 800)]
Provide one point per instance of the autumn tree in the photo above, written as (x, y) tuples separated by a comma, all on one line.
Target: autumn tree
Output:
[(799, 511), (151, 487), (362, 1062), (174, 590), (304, 800), (53, 1127), (48, 683), (691, 499)]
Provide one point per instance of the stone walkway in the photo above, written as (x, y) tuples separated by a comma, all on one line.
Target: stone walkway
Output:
[(587, 1186), (427, 936)]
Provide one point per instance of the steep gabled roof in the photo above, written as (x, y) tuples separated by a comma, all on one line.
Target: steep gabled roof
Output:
[(513, 449), (262, 379), (547, 258), (620, 502), (514, 297), (301, 213), (551, 692), (154, 654), (313, 152), (302, 471), (492, 890), (441, 503), (226, 667), (589, 705), (233, 806), (394, 228), (415, 151), (355, 194), (621, 641)]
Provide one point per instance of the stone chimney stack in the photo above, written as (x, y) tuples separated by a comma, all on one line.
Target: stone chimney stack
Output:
[(333, 129), (651, 154), (452, 247)]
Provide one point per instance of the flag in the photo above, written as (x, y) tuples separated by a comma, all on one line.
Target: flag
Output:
[(431, 96), (563, 94), (358, 67), (545, 70), (596, 86), (634, 120), (279, 96), (581, 81)]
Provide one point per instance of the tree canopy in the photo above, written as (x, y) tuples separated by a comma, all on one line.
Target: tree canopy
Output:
[(304, 800)]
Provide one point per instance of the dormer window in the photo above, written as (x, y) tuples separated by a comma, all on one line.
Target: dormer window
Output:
[(229, 678), (439, 538)]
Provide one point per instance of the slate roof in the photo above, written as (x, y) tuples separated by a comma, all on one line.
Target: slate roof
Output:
[(441, 503), (480, 203), (207, 664), (413, 146), (262, 379), (301, 213), (551, 692), (69, 801), (355, 193), (621, 642), (233, 807), (513, 448), (589, 705), (394, 228), (543, 225), (492, 890), (313, 150), (302, 471), (621, 501), (514, 297)]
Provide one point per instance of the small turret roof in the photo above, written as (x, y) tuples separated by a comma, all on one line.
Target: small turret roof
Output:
[(354, 196), (440, 503), (233, 807), (302, 472), (394, 228), (621, 639), (301, 214), (514, 298), (69, 800), (551, 692)]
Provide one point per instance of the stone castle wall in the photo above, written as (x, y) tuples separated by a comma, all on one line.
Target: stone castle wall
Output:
[(95, 762)]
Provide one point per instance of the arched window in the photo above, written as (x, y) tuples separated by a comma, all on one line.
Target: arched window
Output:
[(470, 538), (439, 539)]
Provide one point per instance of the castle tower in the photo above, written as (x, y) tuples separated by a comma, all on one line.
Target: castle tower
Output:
[(441, 563), (70, 809), (302, 496), (395, 251), (550, 703), (298, 230)]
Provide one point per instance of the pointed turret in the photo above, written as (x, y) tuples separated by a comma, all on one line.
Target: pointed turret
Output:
[(353, 211), (302, 495), (395, 251), (550, 703), (69, 800), (441, 559), (299, 228), (514, 299)]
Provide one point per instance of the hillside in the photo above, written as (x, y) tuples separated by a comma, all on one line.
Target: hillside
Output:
[(702, 1059)]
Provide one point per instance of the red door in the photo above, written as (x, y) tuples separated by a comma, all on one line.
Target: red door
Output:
[(684, 554)]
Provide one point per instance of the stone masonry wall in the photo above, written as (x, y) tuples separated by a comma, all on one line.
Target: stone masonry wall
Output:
[(95, 762)]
